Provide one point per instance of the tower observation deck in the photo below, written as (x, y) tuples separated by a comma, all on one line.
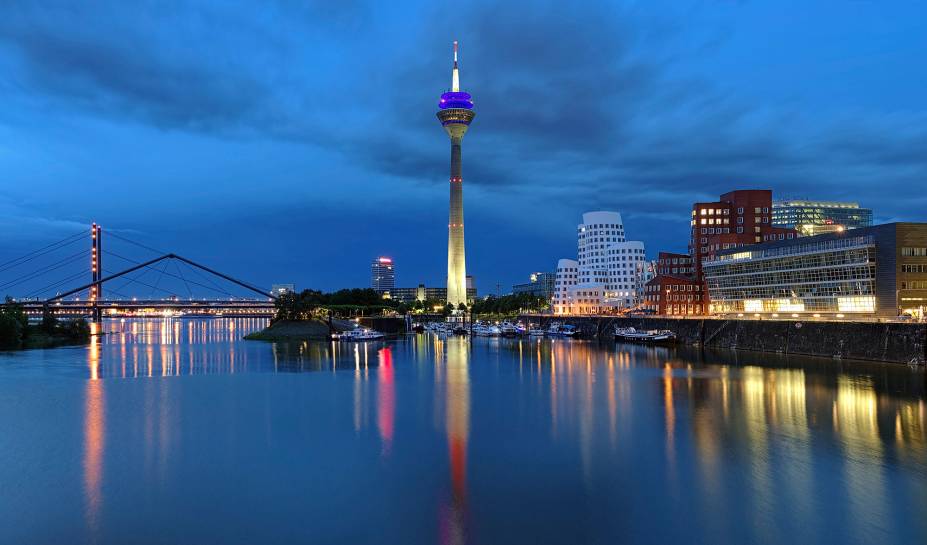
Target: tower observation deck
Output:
[(455, 113)]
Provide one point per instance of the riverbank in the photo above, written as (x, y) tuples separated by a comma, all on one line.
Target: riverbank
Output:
[(40, 339), (15, 336), (288, 330), (873, 341)]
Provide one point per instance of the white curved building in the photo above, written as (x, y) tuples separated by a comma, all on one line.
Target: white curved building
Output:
[(609, 273)]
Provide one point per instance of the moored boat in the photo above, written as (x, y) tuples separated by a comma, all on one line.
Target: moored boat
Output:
[(654, 336), (359, 334)]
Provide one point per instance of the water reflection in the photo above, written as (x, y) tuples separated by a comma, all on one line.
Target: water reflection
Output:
[(457, 423), (793, 448), (386, 400)]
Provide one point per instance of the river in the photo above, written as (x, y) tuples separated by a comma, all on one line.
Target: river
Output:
[(177, 431)]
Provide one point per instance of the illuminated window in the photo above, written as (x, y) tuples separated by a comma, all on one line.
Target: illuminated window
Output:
[(864, 303)]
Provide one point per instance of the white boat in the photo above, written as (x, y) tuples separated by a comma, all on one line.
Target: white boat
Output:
[(493, 331), (360, 334), (568, 330), (554, 329), (508, 330), (535, 331), (652, 336)]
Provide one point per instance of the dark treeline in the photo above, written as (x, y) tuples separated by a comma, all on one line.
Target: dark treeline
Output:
[(16, 332), (309, 304), (509, 305)]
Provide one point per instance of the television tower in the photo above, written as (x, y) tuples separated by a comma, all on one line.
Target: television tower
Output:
[(455, 113)]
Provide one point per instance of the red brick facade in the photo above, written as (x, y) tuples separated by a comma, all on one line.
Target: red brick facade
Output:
[(738, 218)]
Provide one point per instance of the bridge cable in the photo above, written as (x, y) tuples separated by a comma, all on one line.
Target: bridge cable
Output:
[(131, 279), (161, 252), (170, 274), (55, 284), (139, 244), (158, 279), (147, 285), (35, 274), (180, 272), (40, 252)]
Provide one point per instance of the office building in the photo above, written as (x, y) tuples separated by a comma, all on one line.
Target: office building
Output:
[(817, 217), (869, 271), (382, 275), (455, 113), (609, 272), (423, 293), (280, 289), (675, 264), (738, 218), (540, 284)]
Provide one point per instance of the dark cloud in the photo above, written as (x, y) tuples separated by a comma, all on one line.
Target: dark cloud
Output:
[(579, 105)]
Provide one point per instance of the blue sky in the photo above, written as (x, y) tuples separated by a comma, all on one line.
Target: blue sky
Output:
[(295, 141)]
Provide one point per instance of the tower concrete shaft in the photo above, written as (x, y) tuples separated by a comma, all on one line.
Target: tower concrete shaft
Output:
[(456, 113), (456, 253)]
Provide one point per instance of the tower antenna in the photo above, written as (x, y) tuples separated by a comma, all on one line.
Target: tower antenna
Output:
[(455, 77)]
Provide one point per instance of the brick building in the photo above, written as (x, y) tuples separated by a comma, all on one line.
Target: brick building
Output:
[(737, 218)]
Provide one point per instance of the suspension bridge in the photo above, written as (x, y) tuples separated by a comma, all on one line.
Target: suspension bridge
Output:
[(155, 284)]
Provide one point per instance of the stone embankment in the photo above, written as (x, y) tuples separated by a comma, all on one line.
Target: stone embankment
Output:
[(876, 341)]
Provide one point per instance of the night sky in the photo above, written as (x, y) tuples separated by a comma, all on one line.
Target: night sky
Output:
[(295, 141)]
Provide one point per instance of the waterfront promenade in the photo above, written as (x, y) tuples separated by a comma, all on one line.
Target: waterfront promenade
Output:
[(889, 341)]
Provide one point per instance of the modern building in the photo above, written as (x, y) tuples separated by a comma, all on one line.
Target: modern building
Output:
[(541, 284), (870, 271), (455, 113), (610, 271), (674, 295), (280, 289), (818, 217), (382, 275), (738, 218), (423, 293), (566, 278), (673, 290), (675, 264)]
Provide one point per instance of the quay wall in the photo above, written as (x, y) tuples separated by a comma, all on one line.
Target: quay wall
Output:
[(875, 341)]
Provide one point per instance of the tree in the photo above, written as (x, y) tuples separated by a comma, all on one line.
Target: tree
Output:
[(11, 331), (462, 307), (49, 321)]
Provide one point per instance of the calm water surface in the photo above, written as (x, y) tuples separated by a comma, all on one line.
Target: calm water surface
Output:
[(176, 431)]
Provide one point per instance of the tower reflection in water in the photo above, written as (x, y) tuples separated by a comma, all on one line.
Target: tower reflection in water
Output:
[(456, 385), (753, 432)]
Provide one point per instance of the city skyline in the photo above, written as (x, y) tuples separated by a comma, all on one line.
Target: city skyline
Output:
[(159, 131)]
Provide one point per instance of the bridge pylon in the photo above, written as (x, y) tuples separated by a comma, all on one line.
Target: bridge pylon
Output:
[(96, 271)]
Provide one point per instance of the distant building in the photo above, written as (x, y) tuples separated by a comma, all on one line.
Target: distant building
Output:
[(279, 289), (609, 273), (869, 271), (566, 279), (423, 293), (382, 275), (818, 217), (540, 284)]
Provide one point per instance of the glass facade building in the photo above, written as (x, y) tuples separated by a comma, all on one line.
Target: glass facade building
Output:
[(818, 217), (382, 275), (865, 271), (541, 284)]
